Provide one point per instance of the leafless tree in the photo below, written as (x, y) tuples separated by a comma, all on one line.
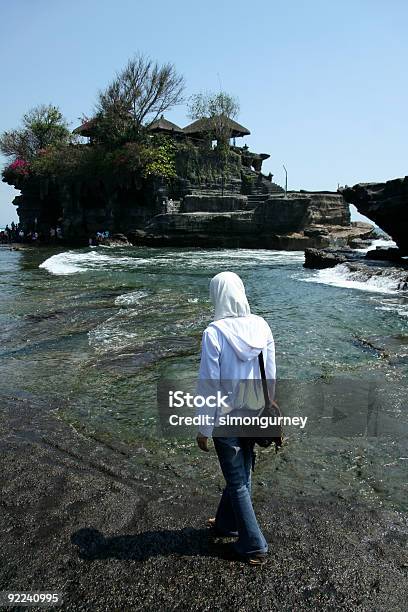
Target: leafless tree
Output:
[(143, 90), (217, 109)]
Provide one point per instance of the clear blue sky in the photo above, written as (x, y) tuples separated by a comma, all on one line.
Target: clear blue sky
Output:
[(322, 83)]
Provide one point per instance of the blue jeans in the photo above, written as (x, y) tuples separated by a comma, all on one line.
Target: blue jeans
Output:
[(235, 515)]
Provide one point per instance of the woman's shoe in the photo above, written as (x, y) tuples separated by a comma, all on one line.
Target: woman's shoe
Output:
[(230, 553), (257, 559)]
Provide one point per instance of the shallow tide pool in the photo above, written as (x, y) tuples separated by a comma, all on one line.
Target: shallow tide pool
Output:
[(90, 331)]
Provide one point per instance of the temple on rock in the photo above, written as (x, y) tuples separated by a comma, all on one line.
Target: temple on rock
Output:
[(178, 191), (199, 131)]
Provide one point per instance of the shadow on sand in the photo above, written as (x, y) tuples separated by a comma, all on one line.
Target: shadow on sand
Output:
[(92, 544)]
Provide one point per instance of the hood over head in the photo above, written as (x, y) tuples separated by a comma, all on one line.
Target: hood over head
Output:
[(246, 333), (227, 293)]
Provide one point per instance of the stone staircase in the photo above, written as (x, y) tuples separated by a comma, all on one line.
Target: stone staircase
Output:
[(212, 192), (261, 189), (256, 198)]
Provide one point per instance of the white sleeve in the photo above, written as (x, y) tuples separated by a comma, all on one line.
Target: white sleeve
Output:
[(270, 367), (210, 356), (209, 377), (270, 363)]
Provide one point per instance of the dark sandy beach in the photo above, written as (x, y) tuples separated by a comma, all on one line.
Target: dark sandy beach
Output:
[(75, 519)]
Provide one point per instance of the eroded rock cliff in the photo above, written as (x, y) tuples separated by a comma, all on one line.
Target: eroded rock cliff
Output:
[(386, 204), (295, 222)]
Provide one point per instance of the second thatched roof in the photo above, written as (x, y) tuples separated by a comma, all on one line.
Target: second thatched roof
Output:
[(205, 125), (163, 125)]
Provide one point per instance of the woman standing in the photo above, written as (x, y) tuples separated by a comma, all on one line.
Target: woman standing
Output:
[(230, 348)]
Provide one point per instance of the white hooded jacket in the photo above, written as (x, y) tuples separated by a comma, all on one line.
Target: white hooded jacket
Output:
[(231, 344)]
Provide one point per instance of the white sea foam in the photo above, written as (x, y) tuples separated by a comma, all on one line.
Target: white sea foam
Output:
[(113, 334), (108, 338), (132, 298), (342, 276), (401, 310), (72, 262), (378, 242), (397, 305)]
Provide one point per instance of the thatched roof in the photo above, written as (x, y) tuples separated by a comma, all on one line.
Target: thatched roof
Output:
[(163, 125), (86, 129), (204, 126), (160, 125)]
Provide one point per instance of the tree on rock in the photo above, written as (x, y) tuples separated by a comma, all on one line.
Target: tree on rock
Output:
[(215, 114), (137, 96), (43, 126), (217, 110)]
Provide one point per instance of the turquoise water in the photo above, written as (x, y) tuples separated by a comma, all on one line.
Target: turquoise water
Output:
[(90, 332)]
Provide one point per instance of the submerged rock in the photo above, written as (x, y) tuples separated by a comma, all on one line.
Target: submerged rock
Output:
[(395, 278), (116, 240)]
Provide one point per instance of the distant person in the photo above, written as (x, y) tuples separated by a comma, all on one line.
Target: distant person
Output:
[(231, 345)]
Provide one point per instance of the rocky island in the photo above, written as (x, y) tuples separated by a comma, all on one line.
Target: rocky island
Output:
[(172, 186)]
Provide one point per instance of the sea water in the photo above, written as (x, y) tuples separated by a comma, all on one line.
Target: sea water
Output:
[(91, 331)]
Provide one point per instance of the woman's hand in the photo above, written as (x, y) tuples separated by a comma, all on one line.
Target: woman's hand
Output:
[(202, 442)]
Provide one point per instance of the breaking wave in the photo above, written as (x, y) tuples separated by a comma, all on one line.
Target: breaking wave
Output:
[(73, 262), (378, 242), (363, 279)]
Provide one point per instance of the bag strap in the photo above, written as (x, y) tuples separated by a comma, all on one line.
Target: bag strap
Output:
[(263, 376)]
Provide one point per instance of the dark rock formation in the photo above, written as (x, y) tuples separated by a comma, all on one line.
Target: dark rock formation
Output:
[(380, 254), (319, 259), (116, 240), (275, 223), (384, 203), (330, 257)]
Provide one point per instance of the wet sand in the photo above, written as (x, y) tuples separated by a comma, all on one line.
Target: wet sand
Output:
[(76, 518)]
